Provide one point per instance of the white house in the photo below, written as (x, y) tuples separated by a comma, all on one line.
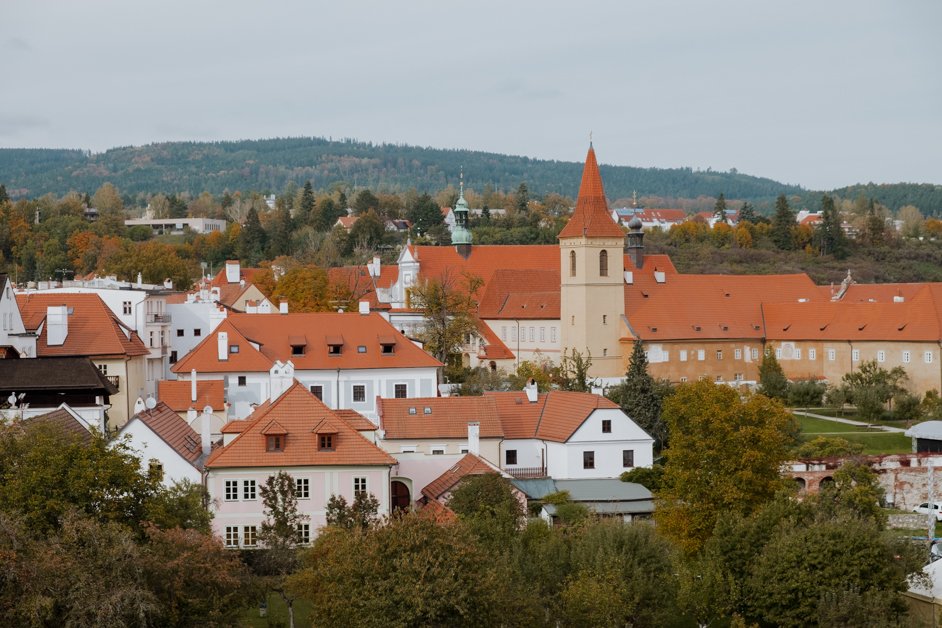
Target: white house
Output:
[(15, 341)]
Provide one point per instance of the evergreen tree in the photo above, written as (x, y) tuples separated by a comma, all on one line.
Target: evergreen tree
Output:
[(342, 202), (876, 226), (830, 234), (252, 239), (748, 214), (425, 214), (783, 224), (3, 194), (326, 214), (523, 198), (719, 210), (485, 213), (772, 380), (640, 398), (306, 210), (364, 202), (279, 232)]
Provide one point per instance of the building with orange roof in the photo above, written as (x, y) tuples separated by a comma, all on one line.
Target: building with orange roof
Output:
[(233, 286), (437, 493), (346, 222), (81, 325), (346, 359), (165, 442), (298, 434), (189, 398)]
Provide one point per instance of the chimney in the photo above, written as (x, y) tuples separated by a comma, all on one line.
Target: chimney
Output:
[(280, 378), (283, 307), (191, 416), (193, 385), (140, 280), (205, 439), (222, 346), (139, 406), (532, 390), (364, 307), (216, 316), (57, 325), (232, 271), (168, 284), (474, 438), (375, 267)]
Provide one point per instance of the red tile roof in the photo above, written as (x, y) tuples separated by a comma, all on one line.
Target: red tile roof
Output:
[(236, 426), (437, 512), (300, 413), (468, 465), (347, 222), (521, 294), (174, 431), (591, 217), (177, 393), (94, 330), (554, 416), (485, 259), (494, 347), (356, 420), (448, 417), (272, 331), (875, 292), (356, 281), (662, 215)]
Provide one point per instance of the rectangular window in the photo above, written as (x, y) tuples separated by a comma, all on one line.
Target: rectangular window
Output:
[(605, 319), (719, 378), (304, 533), (126, 307), (683, 380), (737, 354), (907, 357), (242, 380), (832, 355), (274, 442), (588, 460), (233, 348), (855, 355), (297, 350), (401, 391), (755, 354), (606, 426), (719, 354), (318, 391), (173, 357), (737, 377), (232, 490), (503, 333), (327, 442), (334, 349), (249, 536), (179, 333), (302, 488), (232, 536), (627, 458), (359, 393), (701, 355), (407, 449), (248, 489), (812, 354), (552, 334), (197, 332), (927, 357), (532, 332), (438, 451), (797, 354), (542, 334), (359, 486), (683, 355), (102, 368), (513, 334), (778, 354), (881, 356), (510, 456)]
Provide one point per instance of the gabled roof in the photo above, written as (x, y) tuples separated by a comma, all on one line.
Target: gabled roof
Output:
[(554, 416), (271, 332), (591, 217), (468, 465), (356, 420), (437, 512), (64, 421), (177, 394), (446, 417), (173, 430), (494, 347), (299, 413), (521, 294), (875, 292), (94, 330), (56, 374), (485, 259)]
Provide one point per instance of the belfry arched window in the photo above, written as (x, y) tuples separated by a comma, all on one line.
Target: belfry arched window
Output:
[(572, 263), (603, 263)]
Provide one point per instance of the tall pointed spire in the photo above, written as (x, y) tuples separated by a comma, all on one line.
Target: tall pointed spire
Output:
[(591, 217)]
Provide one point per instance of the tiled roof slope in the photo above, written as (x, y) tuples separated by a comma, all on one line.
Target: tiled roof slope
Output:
[(554, 416), (494, 347), (94, 330), (591, 217), (63, 421), (448, 417), (300, 413), (272, 332), (714, 307), (879, 292), (485, 259), (438, 512), (174, 431), (356, 420), (468, 465), (357, 282), (521, 294), (177, 393)]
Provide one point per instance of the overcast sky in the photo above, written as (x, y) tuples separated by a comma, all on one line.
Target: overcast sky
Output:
[(819, 93)]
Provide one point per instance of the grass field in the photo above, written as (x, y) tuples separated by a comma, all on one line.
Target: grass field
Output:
[(278, 614), (874, 441)]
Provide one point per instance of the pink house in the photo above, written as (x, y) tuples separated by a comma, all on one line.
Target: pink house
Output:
[(297, 433)]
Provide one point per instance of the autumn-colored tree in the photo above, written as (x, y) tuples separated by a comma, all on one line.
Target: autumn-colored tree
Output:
[(725, 455), (449, 307), (304, 288)]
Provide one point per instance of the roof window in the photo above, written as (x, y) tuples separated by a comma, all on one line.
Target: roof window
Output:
[(361, 348), (412, 410), (428, 410)]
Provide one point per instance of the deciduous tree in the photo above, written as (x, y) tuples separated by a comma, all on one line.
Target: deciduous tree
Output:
[(449, 307)]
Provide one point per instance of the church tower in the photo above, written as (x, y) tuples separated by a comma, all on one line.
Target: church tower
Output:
[(461, 234), (592, 293)]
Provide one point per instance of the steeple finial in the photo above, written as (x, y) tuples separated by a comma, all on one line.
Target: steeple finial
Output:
[(461, 182), (590, 138)]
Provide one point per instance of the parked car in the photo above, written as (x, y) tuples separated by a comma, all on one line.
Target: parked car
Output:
[(923, 509)]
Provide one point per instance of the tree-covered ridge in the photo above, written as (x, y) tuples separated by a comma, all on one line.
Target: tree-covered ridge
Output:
[(268, 165), (926, 196)]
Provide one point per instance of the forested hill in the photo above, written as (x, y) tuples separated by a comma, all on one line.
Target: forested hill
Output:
[(926, 196), (268, 165)]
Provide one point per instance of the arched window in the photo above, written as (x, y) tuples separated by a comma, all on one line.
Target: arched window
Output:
[(572, 263), (603, 263)]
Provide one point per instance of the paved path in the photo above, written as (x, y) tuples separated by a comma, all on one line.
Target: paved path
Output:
[(885, 428)]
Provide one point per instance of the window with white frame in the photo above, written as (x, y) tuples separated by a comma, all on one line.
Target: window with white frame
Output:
[(533, 334), (812, 354), (683, 355), (232, 490), (778, 354), (719, 378), (232, 536), (627, 458), (737, 377), (126, 307), (359, 486), (513, 334), (542, 334), (102, 368), (304, 533), (797, 353), (302, 488), (701, 354), (683, 379), (401, 391), (737, 354), (318, 391), (438, 451), (719, 354), (249, 536), (907, 357), (881, 356), (755, 354), (503, 332), (359, 393), (248, 489), (552, 334), (832, 355), (407, 449), (927, 357), (855, 355)]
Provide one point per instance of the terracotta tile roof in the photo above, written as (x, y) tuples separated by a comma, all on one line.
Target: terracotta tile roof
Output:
[(662, 215), (700, 307), (521, 294), (347, 222), (485, 259), (63, 421), (591, 217), (299, 412), (356, 420), (174, 431), (248, 274), (812, 219), (356, 280), (271, 333), (554, 416), (236, 426), (177, 393), (437, 512), (879, 292), (655, 262), (468, 465), (448, 417), (494, 347), (94, 330), (176, 298)]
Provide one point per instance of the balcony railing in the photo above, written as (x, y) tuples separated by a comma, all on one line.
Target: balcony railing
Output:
[(158, 318), (114, 379), (527, 473)]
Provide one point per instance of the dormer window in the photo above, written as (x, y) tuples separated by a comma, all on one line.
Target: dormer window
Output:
[(387, 345), (296, 350), (334, 345), (326, 442), (275, 442), (333, 349)]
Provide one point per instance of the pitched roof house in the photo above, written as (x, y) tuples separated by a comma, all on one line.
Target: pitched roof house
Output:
[(167, 443)]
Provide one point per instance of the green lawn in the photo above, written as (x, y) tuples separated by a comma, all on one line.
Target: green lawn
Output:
[(875, 441), (811, 425), (278, 614)]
